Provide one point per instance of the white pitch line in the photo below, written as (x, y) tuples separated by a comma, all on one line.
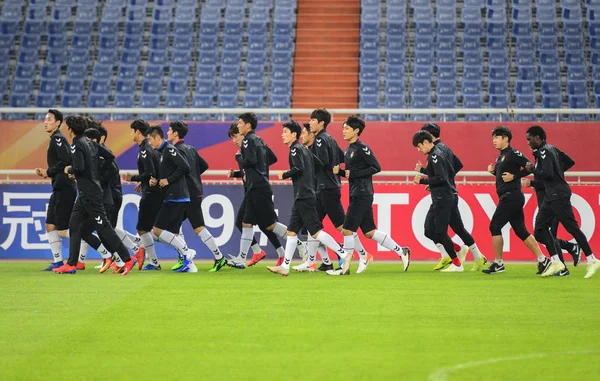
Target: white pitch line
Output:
[(442, 374)]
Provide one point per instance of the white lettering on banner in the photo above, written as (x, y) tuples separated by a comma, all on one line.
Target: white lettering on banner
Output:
[(24, 222), (586, 213), (420, 213), (226, 220), (489, 207), (128, 199), (384, 202)]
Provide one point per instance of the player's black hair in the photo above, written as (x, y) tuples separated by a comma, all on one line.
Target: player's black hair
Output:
[(421, 136), (502, 131)]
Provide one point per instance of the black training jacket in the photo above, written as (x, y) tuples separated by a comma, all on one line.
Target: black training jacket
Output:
[(326, 149), (440, 173), (255, 161), (58, 157), (148, 163), (512, 161), (549, 171), (197, 167), (362, 164), (174, 167), (302, 171), (84, 154)]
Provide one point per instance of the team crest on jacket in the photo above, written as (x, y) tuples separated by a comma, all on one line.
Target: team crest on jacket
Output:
[(503, 157), (351, 154)]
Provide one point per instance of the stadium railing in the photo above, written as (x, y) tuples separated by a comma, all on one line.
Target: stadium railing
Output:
[(507, 113), (218, 176)]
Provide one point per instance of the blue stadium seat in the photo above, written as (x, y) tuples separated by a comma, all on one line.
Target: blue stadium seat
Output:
[(369, 86), (498, 87), (445, 87), (527, 72), (132, 43), (127, 71), (525, 44), (253, 101), (25, 71), (180, 57), (498, 73), (498, 58), (470, 43), (423, 72), (124, 86), (185, 17), (421, 87), (81, 41), (149, 101), (59, 17), (575, 87), (57, 56), (158, 56), (176, 101), (228, 86), (35, 17), (111, 18), (258, 20), (231, 72), (151, 86), (470, 87), (30, 41), (27, 56), (577, 72), (134, 20), (256, 42), (472, 58), (210, 19), (108, 41), (526, 58), (231, 57), (473, 72), (447, 102), (77, 71), (22, 85), (79, 56), (179, 71), (161, 20), (445, 58), (256, 87), (85, 19), (579, 101), (550, 72), (227, 101), (574, 59), (281, 87), (102, 71), (394, 87), (123, 101), (159, 42), (524, 87), (201, 101), (45, 100), (101, 86), (18, 100), (473, 101), (396, 20), (206, 87), (208, 57), (176, 86), (107, 56), (232, 43), (551, 87), (73, 86), (71, 100), (552, 101)]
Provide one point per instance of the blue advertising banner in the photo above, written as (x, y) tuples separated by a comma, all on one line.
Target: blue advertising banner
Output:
[(23, 216)]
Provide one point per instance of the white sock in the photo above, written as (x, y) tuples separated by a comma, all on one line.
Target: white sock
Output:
[(290, 248), (475, 251), (312, 247), (280, 229), (148, 243), (541, 258), (134, 238), (55, 246), (209, 241), (68, 234), (322, 250), (591, 258), (280, 251), (119, 262), (126, 241), (386, 241), (103, 252), (83, 250), (359, 247), (177, 242), (499, 261), (555, 258), (245, 242), (442, 250), (256, 249), (328, 241), (349, 243)]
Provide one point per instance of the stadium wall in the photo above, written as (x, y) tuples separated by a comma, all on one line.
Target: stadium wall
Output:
[(399, 209), (23, 144)]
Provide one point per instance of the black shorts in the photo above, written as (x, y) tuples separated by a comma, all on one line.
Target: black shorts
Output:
[(439, 214), (193, 212), (171, 216), (149, 207), (360, 215), (113, 217), (60, 207), (304, 214), (260, 209), (510, 210), (329, 203)]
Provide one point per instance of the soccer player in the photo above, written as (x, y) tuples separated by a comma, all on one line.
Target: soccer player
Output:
[(259, 208), (64, 191), (360, 166), (88, 212), (508, 169), (172, 170), (130, 241), (329, 197), (540, 192), (456, 222), (308, 262), (557, 203), (444, 198), (193, 212), (304, 211), (258, 253), (148, 162)]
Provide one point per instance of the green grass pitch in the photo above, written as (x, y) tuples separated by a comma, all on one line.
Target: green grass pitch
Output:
[(254, 325)]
